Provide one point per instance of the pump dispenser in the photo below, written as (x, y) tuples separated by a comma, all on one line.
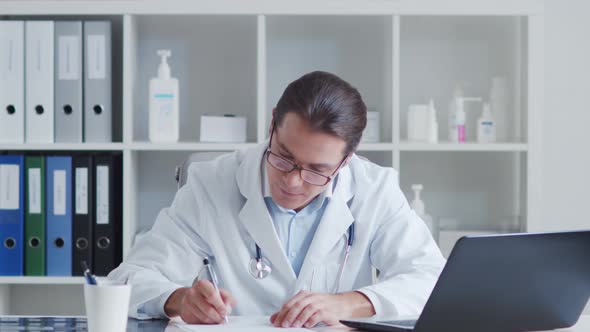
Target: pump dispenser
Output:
[(163, 103), (420, 209), (457, 130), (164, 68)]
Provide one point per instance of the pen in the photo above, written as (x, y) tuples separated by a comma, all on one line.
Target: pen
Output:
[(89, 277), (214, 281)]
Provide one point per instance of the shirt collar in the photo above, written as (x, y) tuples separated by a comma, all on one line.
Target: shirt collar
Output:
[(315, 204)]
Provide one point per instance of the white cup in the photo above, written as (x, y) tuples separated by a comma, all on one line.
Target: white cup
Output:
[(107, 306)]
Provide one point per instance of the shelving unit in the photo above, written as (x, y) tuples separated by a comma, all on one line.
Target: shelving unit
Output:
[(237, 57)]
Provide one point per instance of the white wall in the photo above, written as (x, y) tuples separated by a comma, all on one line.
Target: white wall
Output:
[(566, 132), (566, 136)]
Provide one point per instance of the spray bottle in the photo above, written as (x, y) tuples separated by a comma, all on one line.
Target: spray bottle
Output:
[(458, 129)]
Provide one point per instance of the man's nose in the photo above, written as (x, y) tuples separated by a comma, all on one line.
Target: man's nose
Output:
[(293, 178)]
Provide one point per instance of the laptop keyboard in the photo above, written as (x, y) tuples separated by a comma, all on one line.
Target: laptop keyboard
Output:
[(404, 323)]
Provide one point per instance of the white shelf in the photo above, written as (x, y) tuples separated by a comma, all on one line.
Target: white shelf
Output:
[(495, 147), (189, 146), (232, 56), (41, 280), (375, 147), (62, 147)]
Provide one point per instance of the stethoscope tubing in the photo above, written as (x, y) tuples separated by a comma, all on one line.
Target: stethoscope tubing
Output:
[(262, 266)]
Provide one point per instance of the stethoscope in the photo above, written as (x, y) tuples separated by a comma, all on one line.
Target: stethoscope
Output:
[(260, 267)]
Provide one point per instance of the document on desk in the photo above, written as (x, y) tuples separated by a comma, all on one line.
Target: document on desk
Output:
[(239, 324)]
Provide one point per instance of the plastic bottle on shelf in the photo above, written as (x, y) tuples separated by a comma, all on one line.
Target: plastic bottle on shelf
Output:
[(163, 103), (432, 123), (486, 126), (419, 207), (453, 133), (458, 129)]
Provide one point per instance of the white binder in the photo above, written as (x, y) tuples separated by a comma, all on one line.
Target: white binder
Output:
[(98, 109), (12, 82), (68, 82), (39, 94)]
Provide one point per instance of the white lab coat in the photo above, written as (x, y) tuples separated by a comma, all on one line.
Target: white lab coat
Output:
[(221, 212)]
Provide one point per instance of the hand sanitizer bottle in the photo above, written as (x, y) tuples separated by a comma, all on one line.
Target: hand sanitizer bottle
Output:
[(418, 206), (163, 101)]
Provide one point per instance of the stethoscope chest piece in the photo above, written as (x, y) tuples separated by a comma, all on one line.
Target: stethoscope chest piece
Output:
[(259, 268)]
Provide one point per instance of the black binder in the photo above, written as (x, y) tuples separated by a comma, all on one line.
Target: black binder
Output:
[(108, 196), (83, 215)]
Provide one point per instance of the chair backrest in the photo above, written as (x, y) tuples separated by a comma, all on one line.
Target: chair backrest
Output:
[(182, 169)]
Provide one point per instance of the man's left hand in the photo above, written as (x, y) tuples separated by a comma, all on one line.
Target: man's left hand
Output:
[(308, 309)]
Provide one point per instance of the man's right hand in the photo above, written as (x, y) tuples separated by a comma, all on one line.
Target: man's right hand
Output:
[(200, 304)]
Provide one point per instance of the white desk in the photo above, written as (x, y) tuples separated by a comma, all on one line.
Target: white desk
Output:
[(583, 325), (163, 326)]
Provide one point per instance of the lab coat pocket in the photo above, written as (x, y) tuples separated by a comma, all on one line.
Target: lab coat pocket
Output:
[(325, 277)]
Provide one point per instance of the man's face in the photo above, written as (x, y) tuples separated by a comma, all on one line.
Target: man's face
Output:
[(316, 151)]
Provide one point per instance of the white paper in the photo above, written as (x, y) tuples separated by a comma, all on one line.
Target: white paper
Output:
[(96, 57), (239, 323), (102, 195), (34, 190), (82, 190), (9, 187), (59, 193), (68, 55)]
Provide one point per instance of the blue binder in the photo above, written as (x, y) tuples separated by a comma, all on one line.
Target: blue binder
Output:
[(12, 215), (59, 216)]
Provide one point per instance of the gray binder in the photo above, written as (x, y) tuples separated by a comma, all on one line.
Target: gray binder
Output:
[(98, 110), (68, 81)]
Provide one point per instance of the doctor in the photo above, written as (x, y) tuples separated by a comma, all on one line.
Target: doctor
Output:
[(294, 226)]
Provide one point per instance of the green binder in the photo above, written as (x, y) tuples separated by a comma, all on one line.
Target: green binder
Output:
[(35, 216)]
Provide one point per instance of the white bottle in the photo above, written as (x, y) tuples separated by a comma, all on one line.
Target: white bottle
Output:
[(418, 123), (486, 126), (453, 134), (163, 103), (420, 209), (432, 123)]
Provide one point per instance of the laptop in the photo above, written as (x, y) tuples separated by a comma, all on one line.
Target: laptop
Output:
[(510, 282)]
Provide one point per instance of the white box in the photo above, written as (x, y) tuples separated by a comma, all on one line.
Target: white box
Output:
[(372, 133), (223, 129)]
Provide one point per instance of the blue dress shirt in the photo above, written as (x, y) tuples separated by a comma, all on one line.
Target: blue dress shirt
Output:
[(295, 229)]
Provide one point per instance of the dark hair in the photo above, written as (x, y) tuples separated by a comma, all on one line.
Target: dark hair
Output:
[(328, 104)]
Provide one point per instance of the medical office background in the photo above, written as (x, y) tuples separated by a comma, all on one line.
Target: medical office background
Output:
[(563, 164)]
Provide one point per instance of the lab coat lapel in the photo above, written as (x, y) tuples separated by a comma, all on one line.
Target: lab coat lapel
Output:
[(255, 217), (333, 226)]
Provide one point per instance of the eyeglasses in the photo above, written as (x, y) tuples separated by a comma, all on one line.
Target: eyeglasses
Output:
[(287, 166)]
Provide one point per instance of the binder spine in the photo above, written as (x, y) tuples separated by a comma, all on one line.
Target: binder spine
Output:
[(39, 93), (98, 108), (68, 81), (11, 215), (83, 190), (59, 217), (12, 82), (35, 216), (108, 213)]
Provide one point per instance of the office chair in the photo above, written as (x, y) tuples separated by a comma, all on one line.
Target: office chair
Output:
[(182, 169)]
